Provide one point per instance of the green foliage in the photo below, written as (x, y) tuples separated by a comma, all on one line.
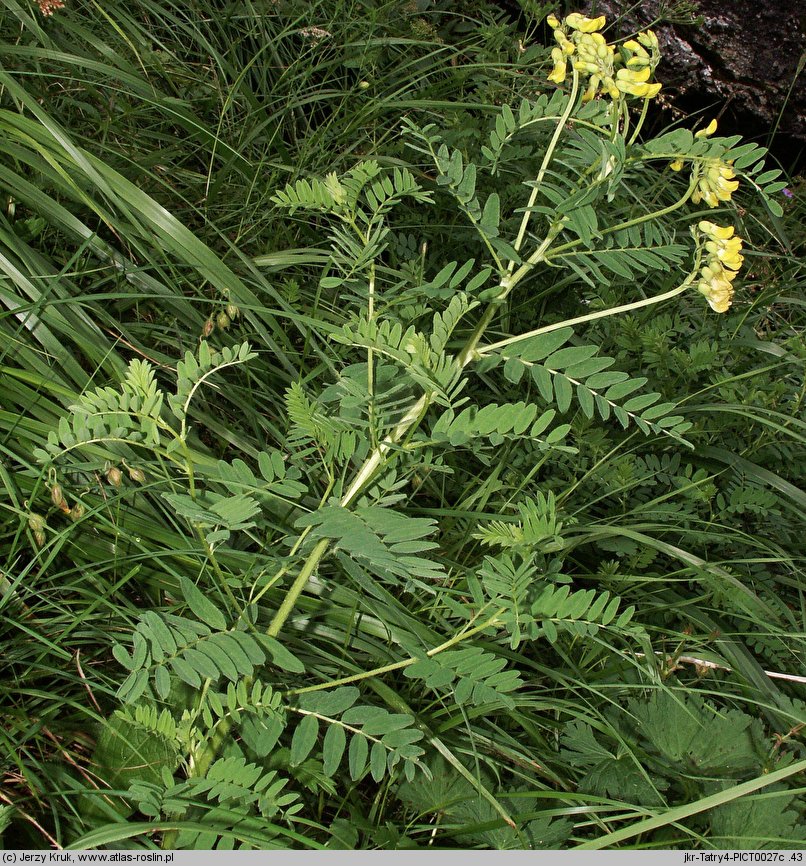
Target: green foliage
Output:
[(378, 740), (474, 676), (470, 820), (383, 484), (191, 650), (758, 823), (574, 374), (388, 542), (222, 799), (135, 746), (747, 158)]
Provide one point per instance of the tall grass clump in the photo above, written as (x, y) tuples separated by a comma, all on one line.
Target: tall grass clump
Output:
[(400, 448)]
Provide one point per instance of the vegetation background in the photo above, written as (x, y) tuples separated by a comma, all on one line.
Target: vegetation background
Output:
[(642, 584)]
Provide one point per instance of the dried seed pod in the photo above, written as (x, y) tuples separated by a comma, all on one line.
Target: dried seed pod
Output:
[(209, 327), (77, 512), (233, 312), (137, 475), (39, 538), (57, 495), (223, 321), (114, 476)]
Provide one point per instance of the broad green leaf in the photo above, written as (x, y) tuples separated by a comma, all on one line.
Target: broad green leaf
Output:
[(201, 606), (333, 747), (357, 756), (281, 656), (377, 761), (304, 739)]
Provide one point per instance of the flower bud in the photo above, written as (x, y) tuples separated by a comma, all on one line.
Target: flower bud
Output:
[(208, 328), (77, 512), (137, 475), (114, 476), (648, 39), (36, 523), (233, 312), (223, 321), (39, 538)]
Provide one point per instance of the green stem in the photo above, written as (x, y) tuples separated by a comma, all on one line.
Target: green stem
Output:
[(695, 176), (289, 557), (409, 421), (200, 763), (419, 408), (640, 123), (236, 608), (537, 256), (544, 166), (396, 666), (612, 311), (284, 611)]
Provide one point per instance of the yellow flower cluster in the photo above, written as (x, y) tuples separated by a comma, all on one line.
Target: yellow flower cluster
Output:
[(716, 182), (611, 72), (721, 266)]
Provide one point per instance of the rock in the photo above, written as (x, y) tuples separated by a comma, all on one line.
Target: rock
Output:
[(740, 60)]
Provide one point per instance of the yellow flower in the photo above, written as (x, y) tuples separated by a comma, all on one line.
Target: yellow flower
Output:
[(709, 130), (676, 165), (633, 81), (649, 40), (727, 252), (639, 58), (717, 290), (608, 73), (585, 25), (639, 55), (719, 233), (716, 183), (722, 265), (557, 74)]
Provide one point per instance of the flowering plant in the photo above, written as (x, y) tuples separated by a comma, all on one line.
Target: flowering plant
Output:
[(623, 71), (616, 73)]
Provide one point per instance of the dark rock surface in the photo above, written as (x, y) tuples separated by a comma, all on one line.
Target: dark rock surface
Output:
[(741, 61)]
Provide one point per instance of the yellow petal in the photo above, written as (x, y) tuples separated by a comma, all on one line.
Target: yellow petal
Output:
[(709, 130), (553, 21), (576, 21), (557, 75), (714, 231), (632, 45), (637, 76)]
